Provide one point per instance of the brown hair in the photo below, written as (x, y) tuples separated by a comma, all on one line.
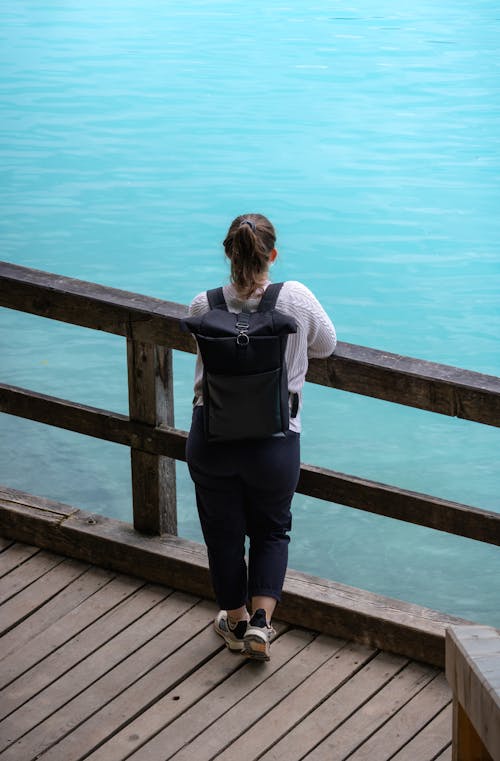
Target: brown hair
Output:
[(249, 241)]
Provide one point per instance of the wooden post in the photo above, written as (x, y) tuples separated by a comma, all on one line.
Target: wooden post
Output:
[(151, 402), (467, 745), (473, 672)]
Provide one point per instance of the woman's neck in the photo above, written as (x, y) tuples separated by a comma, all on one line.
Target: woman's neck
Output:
[(258, 290)]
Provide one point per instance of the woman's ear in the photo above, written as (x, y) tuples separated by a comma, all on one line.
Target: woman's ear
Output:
[(273, 255)]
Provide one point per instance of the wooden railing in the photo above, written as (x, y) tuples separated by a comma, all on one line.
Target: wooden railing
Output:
[(152, 330)]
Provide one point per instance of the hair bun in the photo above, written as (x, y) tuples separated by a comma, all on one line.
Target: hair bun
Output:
[(249, 223)]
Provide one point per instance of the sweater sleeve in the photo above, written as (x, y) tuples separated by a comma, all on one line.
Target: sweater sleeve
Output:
[(199, 305), (322, 338), (321, 335)]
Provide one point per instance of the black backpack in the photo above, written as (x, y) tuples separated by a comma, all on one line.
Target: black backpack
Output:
[(245, 382)]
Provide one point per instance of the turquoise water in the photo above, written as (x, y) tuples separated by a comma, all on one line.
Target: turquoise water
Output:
[(133, 132)]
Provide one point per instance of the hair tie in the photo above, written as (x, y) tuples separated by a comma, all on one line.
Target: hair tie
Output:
[(249, 223)]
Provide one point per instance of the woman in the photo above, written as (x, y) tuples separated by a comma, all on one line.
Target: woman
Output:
[(245, 488)]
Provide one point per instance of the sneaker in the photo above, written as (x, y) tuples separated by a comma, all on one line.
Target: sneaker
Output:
[(257, 639), (232, 636)]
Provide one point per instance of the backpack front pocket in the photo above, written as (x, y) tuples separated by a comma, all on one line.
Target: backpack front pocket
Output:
[(244, 406)]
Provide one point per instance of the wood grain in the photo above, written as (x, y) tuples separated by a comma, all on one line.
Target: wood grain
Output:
[(405, 722), (159, 639), (134, 671), (14, 556), (41, 590), (151, 403)]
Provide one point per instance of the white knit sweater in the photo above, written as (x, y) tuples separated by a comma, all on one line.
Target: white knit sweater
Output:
[(315, 336)]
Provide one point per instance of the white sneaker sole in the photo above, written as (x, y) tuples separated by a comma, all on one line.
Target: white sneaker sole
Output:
[(256, 646)]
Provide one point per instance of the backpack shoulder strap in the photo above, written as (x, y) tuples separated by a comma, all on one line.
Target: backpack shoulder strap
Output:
[(216, 299), (268, 300)]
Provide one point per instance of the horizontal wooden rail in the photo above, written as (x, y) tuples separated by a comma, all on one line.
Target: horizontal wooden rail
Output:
[(382, 375), (322, 483)]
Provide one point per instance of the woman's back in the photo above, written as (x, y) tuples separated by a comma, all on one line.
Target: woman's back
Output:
[(315, 336)]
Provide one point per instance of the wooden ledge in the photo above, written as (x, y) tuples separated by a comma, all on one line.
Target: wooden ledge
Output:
[(308, 601)]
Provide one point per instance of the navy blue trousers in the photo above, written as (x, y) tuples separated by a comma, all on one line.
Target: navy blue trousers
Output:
[(244, 488)]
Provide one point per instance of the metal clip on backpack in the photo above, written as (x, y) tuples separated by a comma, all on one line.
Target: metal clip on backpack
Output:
[(245, 382)]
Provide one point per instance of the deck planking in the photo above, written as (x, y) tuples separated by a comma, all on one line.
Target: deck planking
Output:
[(98, 665)]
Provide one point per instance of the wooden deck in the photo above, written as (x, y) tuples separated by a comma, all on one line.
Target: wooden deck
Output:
[(98, 665)]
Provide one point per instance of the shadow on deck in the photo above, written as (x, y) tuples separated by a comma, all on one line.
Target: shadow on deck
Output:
[(95, 664)]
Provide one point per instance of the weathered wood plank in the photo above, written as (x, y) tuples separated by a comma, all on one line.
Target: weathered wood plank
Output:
[(332, 608), (71, 611), (5, 544), (176, 691), (178, 664), (83, 658), (193, 721), (473, 672), (400, 504), (467, 745), (29, 729), (444, 756), (178, 614), (90, 305), (22, 576), (380, 708), (166, 698), (404, 724), (125, 712), (330, 485), (26, 518), (16, 555), (151, 402), (13, 498), (314, 690), (241, 716), (92, 421), (430, 741), (41, 590), (344, 701), (367, 618), (417, 383), (118, 546)]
